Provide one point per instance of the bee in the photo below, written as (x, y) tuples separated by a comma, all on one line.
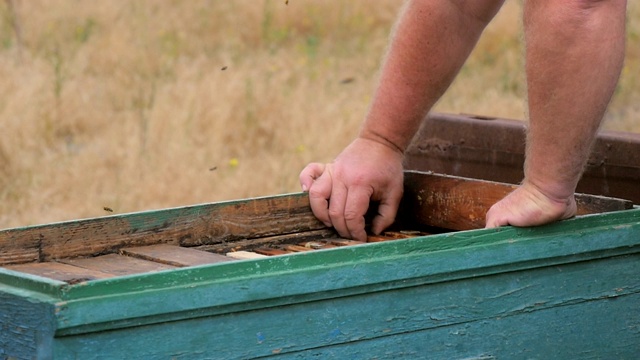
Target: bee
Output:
[(347, 80), (224, 68), (106, 208)]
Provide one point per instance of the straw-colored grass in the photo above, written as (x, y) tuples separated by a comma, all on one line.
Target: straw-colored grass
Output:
[(139, 105)]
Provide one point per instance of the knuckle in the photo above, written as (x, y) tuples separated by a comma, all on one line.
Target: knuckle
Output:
[(351, 216), (334, 213), (314, 192)]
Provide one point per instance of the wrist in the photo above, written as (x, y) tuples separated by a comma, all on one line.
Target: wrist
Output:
[(387, 141), (553, 192), (555, 178)]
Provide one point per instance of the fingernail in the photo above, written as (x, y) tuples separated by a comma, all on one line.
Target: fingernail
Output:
[(304, 188)]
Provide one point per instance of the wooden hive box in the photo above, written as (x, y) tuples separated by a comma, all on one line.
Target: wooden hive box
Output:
[(261, 278), (489, 148)]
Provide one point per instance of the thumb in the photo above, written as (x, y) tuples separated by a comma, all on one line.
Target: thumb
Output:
[(309, 174), (495, 217)]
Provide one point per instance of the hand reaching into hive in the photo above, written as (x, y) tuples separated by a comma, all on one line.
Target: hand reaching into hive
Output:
[(340, 192), (529, 206), (420, 64)]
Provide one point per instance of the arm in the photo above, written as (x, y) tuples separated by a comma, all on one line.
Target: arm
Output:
[(574, 55), (432, 40)]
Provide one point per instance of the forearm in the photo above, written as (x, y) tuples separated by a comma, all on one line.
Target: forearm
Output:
[(431, 42), (573, 60)]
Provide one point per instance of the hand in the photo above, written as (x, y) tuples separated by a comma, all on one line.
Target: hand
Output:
[(528, 205), (340, 192)]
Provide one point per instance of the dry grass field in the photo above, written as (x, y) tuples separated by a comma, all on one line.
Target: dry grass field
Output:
[(138, 105)]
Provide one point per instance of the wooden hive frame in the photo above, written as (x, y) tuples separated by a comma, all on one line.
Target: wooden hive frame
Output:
[(145, 242)]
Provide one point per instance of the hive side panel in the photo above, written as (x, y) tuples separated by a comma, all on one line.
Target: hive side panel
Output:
[(26, 326), (604, 329), (566, 308)]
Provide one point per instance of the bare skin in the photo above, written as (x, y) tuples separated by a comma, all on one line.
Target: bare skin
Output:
[(431, 43), (574, 55)]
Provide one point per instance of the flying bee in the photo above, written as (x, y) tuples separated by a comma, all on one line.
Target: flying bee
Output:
[(106, 208), (347, 80)]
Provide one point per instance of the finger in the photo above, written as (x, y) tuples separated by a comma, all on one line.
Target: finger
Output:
[(310, 173), (387, 211), (319, 194), (336, 209), (495, 217), (358, 199)]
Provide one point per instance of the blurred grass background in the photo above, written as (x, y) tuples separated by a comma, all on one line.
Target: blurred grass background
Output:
[(136, 105)]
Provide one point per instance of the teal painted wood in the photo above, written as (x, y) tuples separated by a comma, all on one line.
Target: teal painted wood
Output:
[(244, 285), (27, 324), (586, 308), (365, 268), (212, 310), (546, 334)]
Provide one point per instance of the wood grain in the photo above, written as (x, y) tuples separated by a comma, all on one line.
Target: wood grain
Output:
[(458, 203), (251, 244), (494, 149), (26, 325), (62, 272), (117, 264), (432, 200), (174, 255), (542, 310), (196, 225)]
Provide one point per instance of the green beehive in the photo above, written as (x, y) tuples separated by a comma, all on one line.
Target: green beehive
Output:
[(169, 284)]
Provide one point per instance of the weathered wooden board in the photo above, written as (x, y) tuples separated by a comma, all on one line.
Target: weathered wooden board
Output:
[(493, 149), (250, 244), (27, 324), (544, 334), (185, 226), (117, 264), (538, 314), (437, 200), (59, 271), (174, 255), (458, 203)]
